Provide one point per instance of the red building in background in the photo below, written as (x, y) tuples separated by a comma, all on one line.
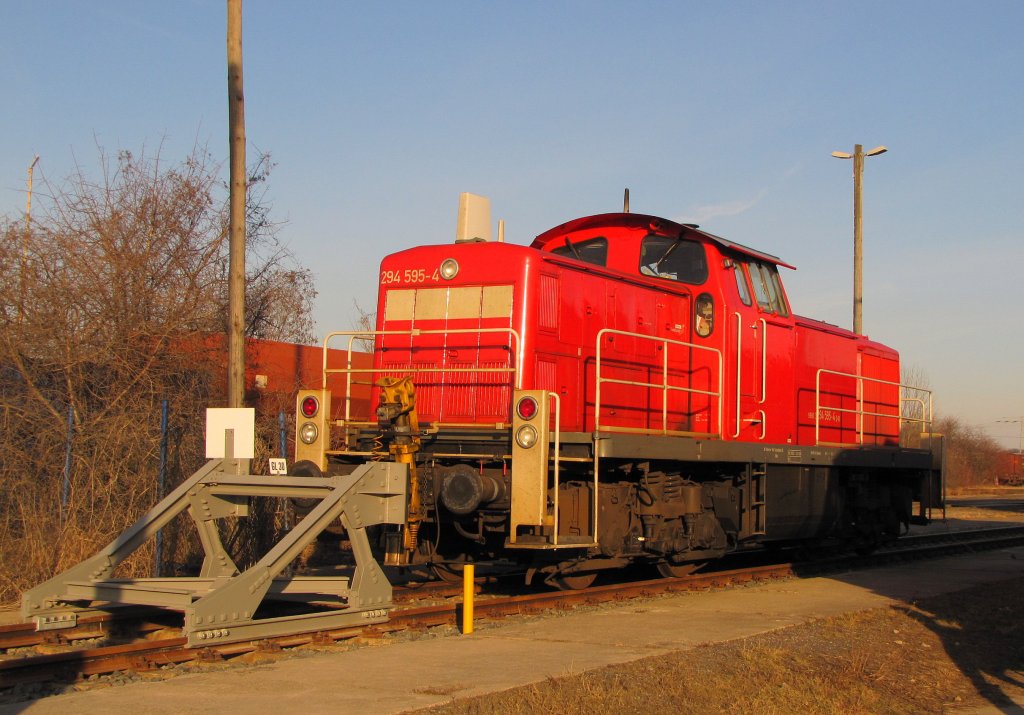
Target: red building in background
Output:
[(276, 371)]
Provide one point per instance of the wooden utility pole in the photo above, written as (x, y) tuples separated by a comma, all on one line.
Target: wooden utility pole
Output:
[(236, 228), (26, 242)]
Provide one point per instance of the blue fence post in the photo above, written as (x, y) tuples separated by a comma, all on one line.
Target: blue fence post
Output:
[(160, 481), (283, 442), (65, 490)]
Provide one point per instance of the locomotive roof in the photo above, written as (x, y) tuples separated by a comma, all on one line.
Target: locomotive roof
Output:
[(653, 224)]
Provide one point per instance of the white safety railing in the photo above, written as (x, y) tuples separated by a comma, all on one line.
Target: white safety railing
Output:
[(925, 402), (515, 370), (663, 386)]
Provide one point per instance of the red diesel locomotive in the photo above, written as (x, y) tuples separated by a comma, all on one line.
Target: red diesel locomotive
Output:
[(624, 389)]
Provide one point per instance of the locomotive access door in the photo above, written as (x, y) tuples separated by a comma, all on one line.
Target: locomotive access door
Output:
[(763, 345), (748, 347), (682, 412)]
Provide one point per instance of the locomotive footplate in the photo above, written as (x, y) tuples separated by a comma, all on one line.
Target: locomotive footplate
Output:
[(219, 605), (622, 446)]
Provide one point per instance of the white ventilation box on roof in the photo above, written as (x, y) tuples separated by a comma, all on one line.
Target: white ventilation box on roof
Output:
[(474, 218)]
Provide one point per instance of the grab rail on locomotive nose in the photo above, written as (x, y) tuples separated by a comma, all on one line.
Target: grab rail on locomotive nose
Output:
[(664, 385), (354, 335), (556, 469), (927, 410)]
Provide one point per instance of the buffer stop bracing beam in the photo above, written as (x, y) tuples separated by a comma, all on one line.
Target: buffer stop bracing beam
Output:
[(219, 606)]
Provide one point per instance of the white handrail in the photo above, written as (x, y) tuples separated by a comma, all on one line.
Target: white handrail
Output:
[(764, 361), (557, 466), (664, 386), (927, 416), (739, 370), (353, 335)]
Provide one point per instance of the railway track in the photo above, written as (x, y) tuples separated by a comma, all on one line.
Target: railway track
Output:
[(153, 649)]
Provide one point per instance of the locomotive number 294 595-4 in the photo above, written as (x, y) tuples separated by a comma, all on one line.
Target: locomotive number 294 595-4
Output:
[(407, 275)]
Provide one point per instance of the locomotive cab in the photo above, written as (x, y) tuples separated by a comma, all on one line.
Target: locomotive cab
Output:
[(735, 298)]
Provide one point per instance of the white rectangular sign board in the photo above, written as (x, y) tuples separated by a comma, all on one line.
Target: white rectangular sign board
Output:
[(240, 419)]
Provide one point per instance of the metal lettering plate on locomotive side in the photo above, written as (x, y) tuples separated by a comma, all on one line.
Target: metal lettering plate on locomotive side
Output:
[(794, 455)]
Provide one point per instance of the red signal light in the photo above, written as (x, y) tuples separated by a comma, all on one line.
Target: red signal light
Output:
[(310, 406), (527, 408)]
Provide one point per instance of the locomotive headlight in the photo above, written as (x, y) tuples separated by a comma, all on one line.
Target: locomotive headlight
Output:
[(527, 408), (308, 433), (526, 436), (449, 268)]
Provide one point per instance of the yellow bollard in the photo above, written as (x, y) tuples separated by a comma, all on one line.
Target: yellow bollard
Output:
[(467, 599)]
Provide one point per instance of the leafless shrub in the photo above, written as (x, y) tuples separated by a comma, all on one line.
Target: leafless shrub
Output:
[(365, 322), (916, 405), (105, 314), (971, 455)]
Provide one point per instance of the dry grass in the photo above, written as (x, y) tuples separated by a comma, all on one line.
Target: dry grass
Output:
[(943, 654)]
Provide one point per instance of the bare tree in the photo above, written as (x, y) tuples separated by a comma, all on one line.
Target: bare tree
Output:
[(972, 457), (125, 280), (365, 322), (915, 405)]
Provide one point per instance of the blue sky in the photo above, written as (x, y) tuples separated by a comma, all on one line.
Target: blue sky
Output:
[(379, 114)]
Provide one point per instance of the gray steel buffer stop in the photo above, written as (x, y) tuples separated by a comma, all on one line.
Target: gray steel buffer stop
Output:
[(220, 604)]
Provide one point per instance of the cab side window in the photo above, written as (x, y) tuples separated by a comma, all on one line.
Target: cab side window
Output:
[(767, 288), (741, 283), (673, 259), (593, 250)]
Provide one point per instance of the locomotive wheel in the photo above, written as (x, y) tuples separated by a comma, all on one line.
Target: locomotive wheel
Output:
[(573, 581), (671, 570)]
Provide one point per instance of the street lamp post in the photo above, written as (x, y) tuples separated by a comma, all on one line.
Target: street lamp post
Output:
[(858, 236)]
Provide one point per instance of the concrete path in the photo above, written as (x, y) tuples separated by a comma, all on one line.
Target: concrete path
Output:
[(405, 675)]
